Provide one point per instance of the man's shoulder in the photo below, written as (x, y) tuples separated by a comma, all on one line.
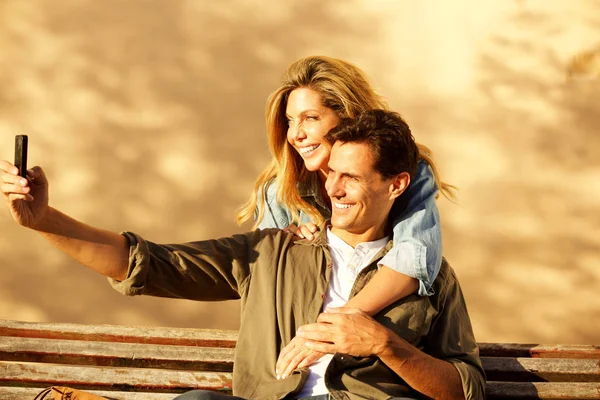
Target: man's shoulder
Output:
[(446, 271), (445, 279), (280, 239)]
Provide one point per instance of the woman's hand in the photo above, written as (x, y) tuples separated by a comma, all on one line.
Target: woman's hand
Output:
[(303, 231), (27, 198), (295, 355)]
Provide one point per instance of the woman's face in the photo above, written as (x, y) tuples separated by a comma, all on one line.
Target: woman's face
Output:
[(308, 122)]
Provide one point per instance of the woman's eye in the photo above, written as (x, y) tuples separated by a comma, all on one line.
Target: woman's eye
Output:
[(312, 117)]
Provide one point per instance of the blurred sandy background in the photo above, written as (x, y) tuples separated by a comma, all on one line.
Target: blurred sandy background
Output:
[(148, 116)]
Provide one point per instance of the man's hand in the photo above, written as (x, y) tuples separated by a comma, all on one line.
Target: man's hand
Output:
[(347, 331), (295, 355), (303, 231), (27, 198)]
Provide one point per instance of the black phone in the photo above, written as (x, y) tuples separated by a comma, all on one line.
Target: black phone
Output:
[(21, 154)]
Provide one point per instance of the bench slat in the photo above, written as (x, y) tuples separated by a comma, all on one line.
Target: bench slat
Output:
[(116, 354), (223, 338), (538, 351), (107, 378), (17, 393), (540, 369), (543, 390), (122, 334)]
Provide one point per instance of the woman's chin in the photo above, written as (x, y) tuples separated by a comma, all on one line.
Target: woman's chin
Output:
[(312, 167), (315, 164)]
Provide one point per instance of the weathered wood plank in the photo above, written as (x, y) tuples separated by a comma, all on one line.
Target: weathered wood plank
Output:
[(123, 334), (223, 338), (539, 350), (109, 378), (116, 354), (543, 390), (179, 336), (19, 393), (541, 369)]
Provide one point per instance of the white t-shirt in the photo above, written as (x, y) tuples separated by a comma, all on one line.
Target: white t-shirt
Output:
[(347, 264)]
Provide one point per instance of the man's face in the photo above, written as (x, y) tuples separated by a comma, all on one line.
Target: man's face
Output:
[(360, 197)]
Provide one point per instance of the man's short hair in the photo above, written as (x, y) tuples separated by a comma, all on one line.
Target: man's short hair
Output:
[(388, 136)]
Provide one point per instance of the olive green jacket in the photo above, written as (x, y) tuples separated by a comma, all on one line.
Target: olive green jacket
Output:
[(282, 285)]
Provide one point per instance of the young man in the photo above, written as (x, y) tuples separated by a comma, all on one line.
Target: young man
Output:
[(416, 346)]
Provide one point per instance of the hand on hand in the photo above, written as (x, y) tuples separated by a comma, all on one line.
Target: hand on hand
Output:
[(295, 355), (303, 231), (347, 331), (27, 198)]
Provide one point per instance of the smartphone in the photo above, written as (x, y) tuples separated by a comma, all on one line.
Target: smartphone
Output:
[(21, 154)]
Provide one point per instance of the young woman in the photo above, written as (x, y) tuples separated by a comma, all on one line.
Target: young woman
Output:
[(315, 94)]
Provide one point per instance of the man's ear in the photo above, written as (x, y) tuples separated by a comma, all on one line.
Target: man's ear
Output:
[(399, 184)]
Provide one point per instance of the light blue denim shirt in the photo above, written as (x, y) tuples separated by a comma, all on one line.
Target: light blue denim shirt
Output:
[(417, 234)]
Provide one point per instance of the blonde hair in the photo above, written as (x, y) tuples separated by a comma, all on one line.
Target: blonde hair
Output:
[(345, 89)]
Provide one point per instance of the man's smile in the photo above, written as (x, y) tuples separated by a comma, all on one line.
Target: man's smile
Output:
[(343, 206)]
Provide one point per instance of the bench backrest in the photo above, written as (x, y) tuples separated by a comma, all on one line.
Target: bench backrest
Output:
[(154, 363)]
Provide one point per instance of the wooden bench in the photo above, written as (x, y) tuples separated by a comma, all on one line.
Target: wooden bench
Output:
[(156, 363)]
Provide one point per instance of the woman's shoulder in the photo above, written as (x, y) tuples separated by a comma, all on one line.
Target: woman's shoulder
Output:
[(269, 190), (308, 186)]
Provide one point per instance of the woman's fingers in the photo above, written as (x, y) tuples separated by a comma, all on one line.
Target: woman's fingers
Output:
[(301, 353), (303, 231), (306, 232), (286, 356), (295, 355), (310, 358), (282, 360), (293, 229)]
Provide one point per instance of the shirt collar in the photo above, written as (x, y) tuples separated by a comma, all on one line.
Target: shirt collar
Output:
[(336, 241), (321, 240)]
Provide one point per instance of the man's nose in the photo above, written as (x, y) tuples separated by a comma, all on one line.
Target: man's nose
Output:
[(334, 187)]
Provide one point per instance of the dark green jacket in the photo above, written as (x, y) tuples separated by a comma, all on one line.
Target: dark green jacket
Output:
[(282, 284)]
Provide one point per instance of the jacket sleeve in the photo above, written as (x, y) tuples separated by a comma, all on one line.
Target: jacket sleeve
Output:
[(451, 339), (276, 215), (417, 233), (209, 270)]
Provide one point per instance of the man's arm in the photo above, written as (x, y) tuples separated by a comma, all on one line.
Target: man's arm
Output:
[(350, 331), (103, 251), (428, 375), (207, 270)]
